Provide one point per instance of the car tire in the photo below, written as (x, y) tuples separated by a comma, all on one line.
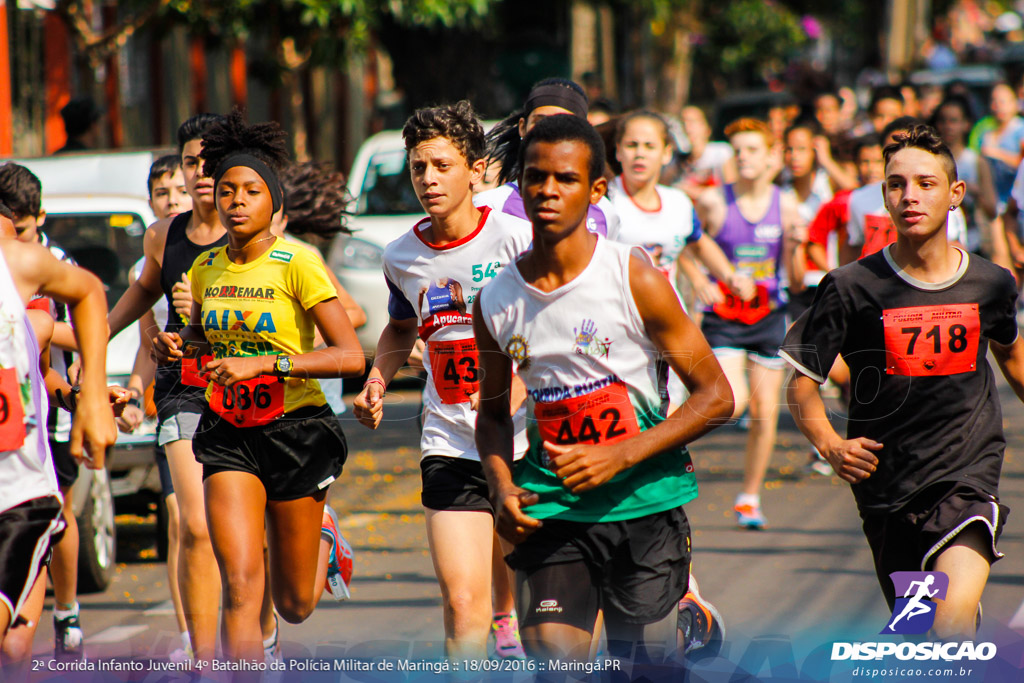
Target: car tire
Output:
[(97, 536)]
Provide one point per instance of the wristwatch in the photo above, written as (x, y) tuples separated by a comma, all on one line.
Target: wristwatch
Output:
[(283, 366)]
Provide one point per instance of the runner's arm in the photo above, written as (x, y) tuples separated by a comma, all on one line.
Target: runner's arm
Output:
[(794, 234), (852, 459), (711, 210), (393, 348), (1011, 361), (707, 251), (495, 433), (93, 426), (145, 291)]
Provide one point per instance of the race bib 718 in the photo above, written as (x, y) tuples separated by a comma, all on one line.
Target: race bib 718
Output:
[(930, 341)]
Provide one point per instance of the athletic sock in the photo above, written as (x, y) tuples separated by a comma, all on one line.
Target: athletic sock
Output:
[(751, 499), (65, 613)]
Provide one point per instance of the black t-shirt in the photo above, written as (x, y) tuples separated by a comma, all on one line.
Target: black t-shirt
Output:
[(921, 383), (169, 392)]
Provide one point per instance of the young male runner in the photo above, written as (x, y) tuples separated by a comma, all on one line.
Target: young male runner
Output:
[(22, 191), (30, 500), (435, 273), (595, 506), (925, 442)]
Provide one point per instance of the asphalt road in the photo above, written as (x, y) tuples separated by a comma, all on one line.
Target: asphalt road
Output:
[(786, 592)]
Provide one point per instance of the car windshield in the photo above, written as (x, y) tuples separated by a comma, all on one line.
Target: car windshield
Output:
[(108, 244), (386, 188)]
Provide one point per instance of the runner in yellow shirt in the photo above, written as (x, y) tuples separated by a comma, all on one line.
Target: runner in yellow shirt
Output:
[(268, 443)]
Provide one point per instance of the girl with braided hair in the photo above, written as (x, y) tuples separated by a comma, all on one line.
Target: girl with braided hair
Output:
[(269, 444)]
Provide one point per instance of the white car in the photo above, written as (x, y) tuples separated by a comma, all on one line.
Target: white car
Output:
[(384, 207)]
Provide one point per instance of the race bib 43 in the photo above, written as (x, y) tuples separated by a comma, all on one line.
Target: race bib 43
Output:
[(455, 369)]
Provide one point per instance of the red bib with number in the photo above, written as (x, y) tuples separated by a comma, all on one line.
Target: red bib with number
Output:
[(602, 416), (930, 341), (252, 403), (879, 231), (12, 413), (454, 366), (743, 311), (192, 371)]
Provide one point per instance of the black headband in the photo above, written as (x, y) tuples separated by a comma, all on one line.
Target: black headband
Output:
[(261, 168), (556, 95)]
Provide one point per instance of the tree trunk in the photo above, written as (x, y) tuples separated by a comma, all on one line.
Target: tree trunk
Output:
[(677, 65), (294, 65)]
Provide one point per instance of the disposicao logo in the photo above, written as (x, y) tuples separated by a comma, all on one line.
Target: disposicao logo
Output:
[(914, 612)]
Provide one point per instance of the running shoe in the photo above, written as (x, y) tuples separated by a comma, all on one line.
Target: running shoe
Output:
[(272, 645), (182, 655), (68, 637), (339, 563), (816, 464), (701, 627), (505, 630), (750, 516)]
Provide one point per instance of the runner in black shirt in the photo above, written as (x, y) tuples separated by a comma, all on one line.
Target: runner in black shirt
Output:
[(925, 441)]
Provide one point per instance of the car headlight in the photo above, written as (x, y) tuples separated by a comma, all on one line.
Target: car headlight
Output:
[(359, 254)]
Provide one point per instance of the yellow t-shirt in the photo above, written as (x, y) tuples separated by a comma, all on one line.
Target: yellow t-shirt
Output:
[(259, 308)]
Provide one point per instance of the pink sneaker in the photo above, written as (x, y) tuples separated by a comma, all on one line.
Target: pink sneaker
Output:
[(505, 629), (339, 563)]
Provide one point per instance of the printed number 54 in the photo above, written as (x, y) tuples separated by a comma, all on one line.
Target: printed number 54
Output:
[(479, 272)]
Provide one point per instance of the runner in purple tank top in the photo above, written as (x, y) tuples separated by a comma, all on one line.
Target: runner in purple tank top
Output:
[(746, 335)]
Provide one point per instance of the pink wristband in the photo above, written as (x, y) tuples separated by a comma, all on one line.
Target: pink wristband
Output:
[(376, 380)]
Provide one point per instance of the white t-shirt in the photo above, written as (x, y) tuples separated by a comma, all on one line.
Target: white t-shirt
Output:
[(871, 228), (663, 233), (437, 286)]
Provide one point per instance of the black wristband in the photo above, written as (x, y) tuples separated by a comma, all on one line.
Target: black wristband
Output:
[(135, 402)]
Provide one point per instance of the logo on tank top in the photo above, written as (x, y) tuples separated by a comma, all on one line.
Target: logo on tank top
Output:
[(587, 342), (442, 303), (208, 261), (519, 350), (768, 232)]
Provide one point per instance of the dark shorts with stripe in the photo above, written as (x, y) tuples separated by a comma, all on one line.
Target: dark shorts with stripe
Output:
[(295, 456), (636, 570), (27, 532), (909, 539)]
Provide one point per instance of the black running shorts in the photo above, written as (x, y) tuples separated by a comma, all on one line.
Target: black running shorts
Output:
[(910, 538), (27, 532), (64, 464), (454, 484), (636, 570), (295, 456), (763, 337)]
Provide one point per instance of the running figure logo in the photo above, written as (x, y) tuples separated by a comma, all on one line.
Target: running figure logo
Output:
[(914, 612)]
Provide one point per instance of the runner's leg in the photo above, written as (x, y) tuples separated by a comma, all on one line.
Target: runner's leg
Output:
[(198, 576), (734, 365), (298, 555), (765, 385), (173, 552), (236, 506), (17, 644), (461, 546), (966, 561)]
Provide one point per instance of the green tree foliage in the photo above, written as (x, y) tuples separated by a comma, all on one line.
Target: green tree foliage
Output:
[(749, 36)]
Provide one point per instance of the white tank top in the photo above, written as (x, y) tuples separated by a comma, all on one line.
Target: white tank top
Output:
[(592, 375), (26, 469), (438, 285)]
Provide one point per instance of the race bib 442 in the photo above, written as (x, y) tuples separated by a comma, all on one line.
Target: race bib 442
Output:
[(602, 416)]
